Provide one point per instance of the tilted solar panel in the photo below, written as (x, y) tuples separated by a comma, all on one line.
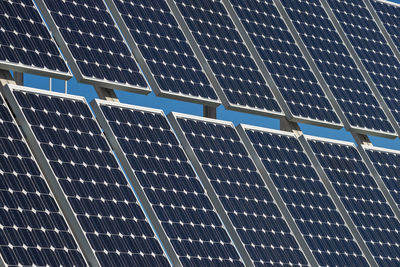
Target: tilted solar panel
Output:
[(285, 62), (160, 170), (372, 48), (26, 44), (387, 163), (92, 187), (162, 50), (223, 164), (389, 14), (241, 84), (305, 196), (92, 44), (361, 196), (32, 229), (340, 72)]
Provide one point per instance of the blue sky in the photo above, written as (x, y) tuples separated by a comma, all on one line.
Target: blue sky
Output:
[(179, 106)]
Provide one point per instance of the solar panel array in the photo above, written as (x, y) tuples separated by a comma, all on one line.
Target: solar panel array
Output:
[(389, 15), (243, 86), (92, 44), (387, 164), (170, 184), (285, 62), (152, 29), (372, 48), (306, 197), (338, 68), (32, 229), (362, 198), (81, 161), (25, 41), (239, 187)]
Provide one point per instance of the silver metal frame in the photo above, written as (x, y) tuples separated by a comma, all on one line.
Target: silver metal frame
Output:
[(173, 118), (305, 141), (2, 262), (268, 76), (71, 60), (322, 81), (381, 184), (360, 65), (96, 105), (46, 168), (210, 74), (145, 67)]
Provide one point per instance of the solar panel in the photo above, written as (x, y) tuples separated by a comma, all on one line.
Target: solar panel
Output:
[(372, 48), (151, 154), (162, 50), (26, 44), (92, 44), (91, 186), (361, 196), (223, 163), (386, 162), (32, 229), (389, 14), (286, 163), (340, 72), (289, 70), (241, 85)]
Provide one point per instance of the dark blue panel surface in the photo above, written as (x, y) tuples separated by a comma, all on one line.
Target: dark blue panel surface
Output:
[(242, 192), (32, 229), (94, 41), (284, 60), (387, 164), (227, 55), (91, 179), (307, 199), (25, 40), (389, 15), (372, 48), (362, 199), (165, 49), (172, 187), (338, 68)]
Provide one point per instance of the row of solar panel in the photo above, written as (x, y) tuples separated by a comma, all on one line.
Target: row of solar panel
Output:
[(260, 197), (277, 58)]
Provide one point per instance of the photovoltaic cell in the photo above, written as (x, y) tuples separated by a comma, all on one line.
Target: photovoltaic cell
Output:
[(243, 86), (170, 184), (25, 42), (372, 48), (362, 198), (241, 191), (389, 14), (153, 30), (92, 44), (338, 68), (284, 61), (32, 229), (306, 197), (387, 164), (100, 197)]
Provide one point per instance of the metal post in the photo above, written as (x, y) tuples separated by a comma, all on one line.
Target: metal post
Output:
[(209, 112), (19, 78), (106, 94)]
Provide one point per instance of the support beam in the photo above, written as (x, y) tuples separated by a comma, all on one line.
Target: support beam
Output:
[(209, 112), (106, 94), (289, 126), (19, 78), (6, 78), (362, 140)]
